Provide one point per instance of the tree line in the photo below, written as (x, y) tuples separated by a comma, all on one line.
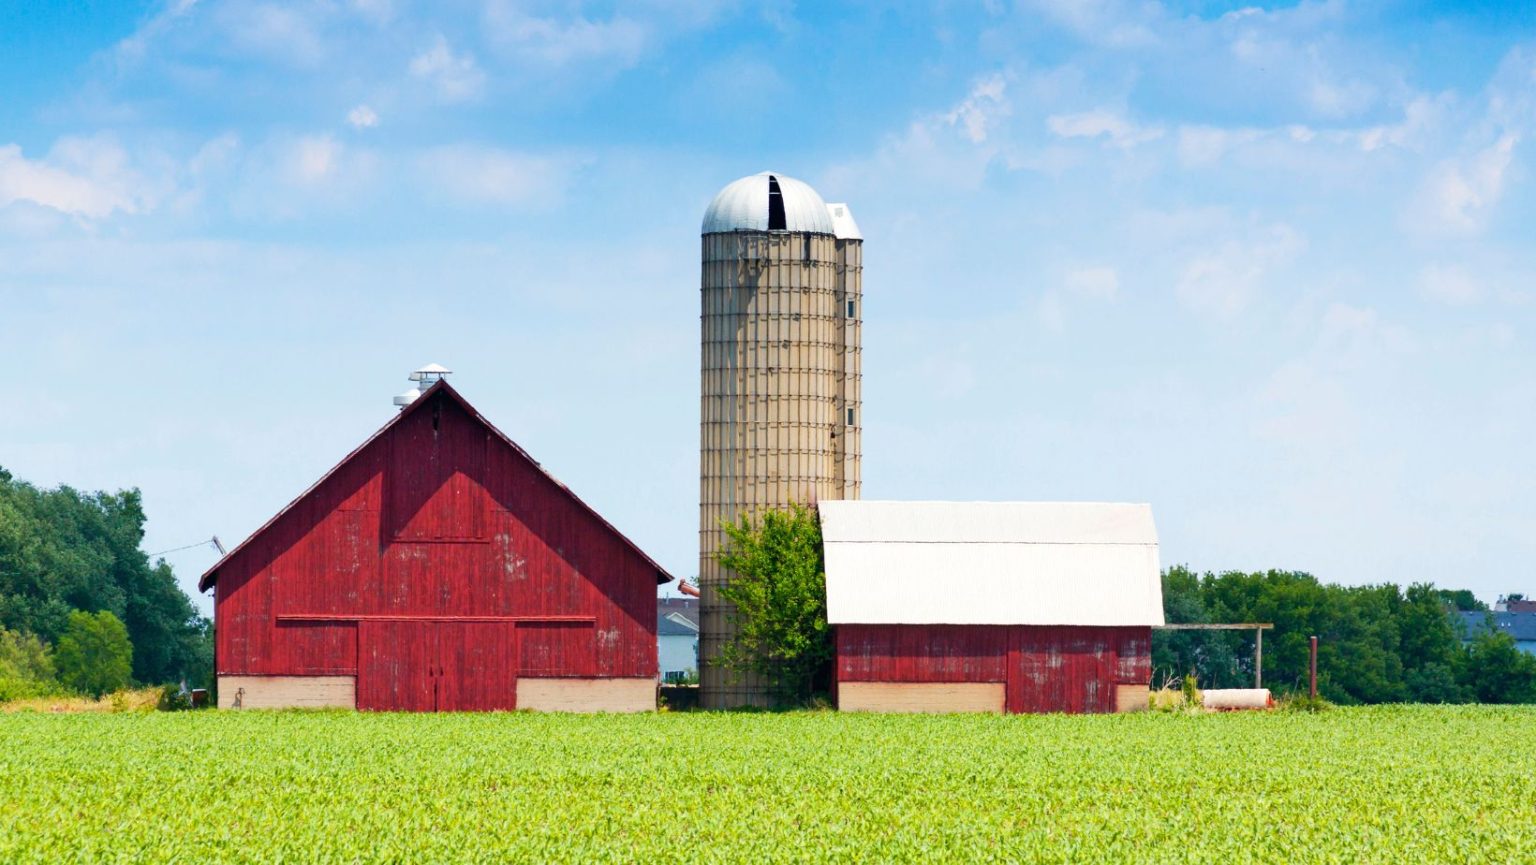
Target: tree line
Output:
[(81, 606), (1376, 644)]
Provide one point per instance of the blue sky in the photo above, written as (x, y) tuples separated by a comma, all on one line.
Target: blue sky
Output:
[(1269, 268)]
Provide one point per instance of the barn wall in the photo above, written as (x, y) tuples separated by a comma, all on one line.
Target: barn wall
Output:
[(437, 517), (587, 695), (287, 692), (1043, 669)]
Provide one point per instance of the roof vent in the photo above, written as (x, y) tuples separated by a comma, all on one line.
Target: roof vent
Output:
[(424, 378)]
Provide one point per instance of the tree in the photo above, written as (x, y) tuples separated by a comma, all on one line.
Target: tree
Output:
[(779, 590), (94, 655), (1496, 671), (64, 550), (1435, 683), (26, 666), (1463, 600)]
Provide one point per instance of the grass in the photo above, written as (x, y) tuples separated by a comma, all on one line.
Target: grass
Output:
[(132, 700), (1382, 784)]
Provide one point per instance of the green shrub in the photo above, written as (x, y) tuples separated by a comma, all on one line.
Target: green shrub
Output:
[(1304, 702), (94, 656), (174, 699), (778, 589)]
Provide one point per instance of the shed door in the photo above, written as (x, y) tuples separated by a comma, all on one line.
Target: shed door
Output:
[(395, 666), (1060, 669)]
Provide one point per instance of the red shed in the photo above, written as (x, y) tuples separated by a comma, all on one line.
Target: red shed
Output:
[(438, 567), (991, 606)]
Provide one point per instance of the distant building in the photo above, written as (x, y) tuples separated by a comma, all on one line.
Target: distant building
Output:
[(991, 606), (1515, 604), (677, 637), (1520, 625)]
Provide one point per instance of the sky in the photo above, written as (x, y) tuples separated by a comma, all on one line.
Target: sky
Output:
[(1267, 267)]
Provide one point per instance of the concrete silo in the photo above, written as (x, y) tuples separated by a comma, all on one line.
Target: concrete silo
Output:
[(782, 301)]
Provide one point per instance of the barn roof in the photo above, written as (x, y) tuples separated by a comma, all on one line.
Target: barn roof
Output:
[(210, 576), (991, 563)]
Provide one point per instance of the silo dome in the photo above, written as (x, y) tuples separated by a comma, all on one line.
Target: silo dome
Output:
[(767, 202)]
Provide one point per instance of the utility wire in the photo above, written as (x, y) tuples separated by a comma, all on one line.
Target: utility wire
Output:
[(213, 540)]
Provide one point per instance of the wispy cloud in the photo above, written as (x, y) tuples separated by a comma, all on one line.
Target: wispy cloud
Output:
[(89, 178), (1102, 122), (1459, 195), (363, 117), (455, 77), (491, 175)]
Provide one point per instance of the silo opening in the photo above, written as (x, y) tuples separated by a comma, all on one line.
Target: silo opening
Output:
[(776, 220)]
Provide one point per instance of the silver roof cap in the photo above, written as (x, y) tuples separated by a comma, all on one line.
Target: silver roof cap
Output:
[(842, 222), (744, 206)]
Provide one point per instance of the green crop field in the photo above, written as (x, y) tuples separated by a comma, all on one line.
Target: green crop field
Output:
[(1383, 785)]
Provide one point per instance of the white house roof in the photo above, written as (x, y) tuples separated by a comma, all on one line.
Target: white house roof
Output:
[(991, 563), (743, 206)]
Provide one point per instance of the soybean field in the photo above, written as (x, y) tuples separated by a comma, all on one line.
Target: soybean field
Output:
[(1380, 784)]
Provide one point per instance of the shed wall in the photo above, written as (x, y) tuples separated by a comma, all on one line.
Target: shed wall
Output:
[(1043, 668)]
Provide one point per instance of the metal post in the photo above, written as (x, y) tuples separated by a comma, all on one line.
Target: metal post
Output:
[(1312, 676), (1258, 658)]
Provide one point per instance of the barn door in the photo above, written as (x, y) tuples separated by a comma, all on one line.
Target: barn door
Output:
[(396, 664), (477, 663), (1060, 669)]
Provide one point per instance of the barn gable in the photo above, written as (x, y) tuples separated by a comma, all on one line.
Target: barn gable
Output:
[(448, 480)]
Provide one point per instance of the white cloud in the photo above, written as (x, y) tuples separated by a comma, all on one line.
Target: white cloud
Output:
[(1102, 122), (1095, 283), (1460, 193), (1449, 285), (314, 158), (494, 176), (1223, 282), (85, 177), (1104, 22), (981, 109), (556, 42), (363, 117), (455, 76), (1099, 283), (1200, 145), (287, 34)]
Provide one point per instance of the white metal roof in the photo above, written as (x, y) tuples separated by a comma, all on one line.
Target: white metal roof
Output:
[(991, 563), (743, 206), (842, 221)]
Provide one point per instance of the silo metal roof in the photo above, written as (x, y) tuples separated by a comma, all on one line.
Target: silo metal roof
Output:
[(743, 206)]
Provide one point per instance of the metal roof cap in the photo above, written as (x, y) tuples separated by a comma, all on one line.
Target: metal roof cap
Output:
[(743, 206)]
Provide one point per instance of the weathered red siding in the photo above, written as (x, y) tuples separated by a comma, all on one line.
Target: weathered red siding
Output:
[(435, 523), (1044, 669)]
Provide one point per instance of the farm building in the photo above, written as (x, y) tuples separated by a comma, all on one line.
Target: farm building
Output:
[(677, 637), (991, 607), (437, 567), (1519, 624)]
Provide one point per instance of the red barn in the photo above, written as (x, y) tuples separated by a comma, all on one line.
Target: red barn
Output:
[(438, 567), (991, 606)]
